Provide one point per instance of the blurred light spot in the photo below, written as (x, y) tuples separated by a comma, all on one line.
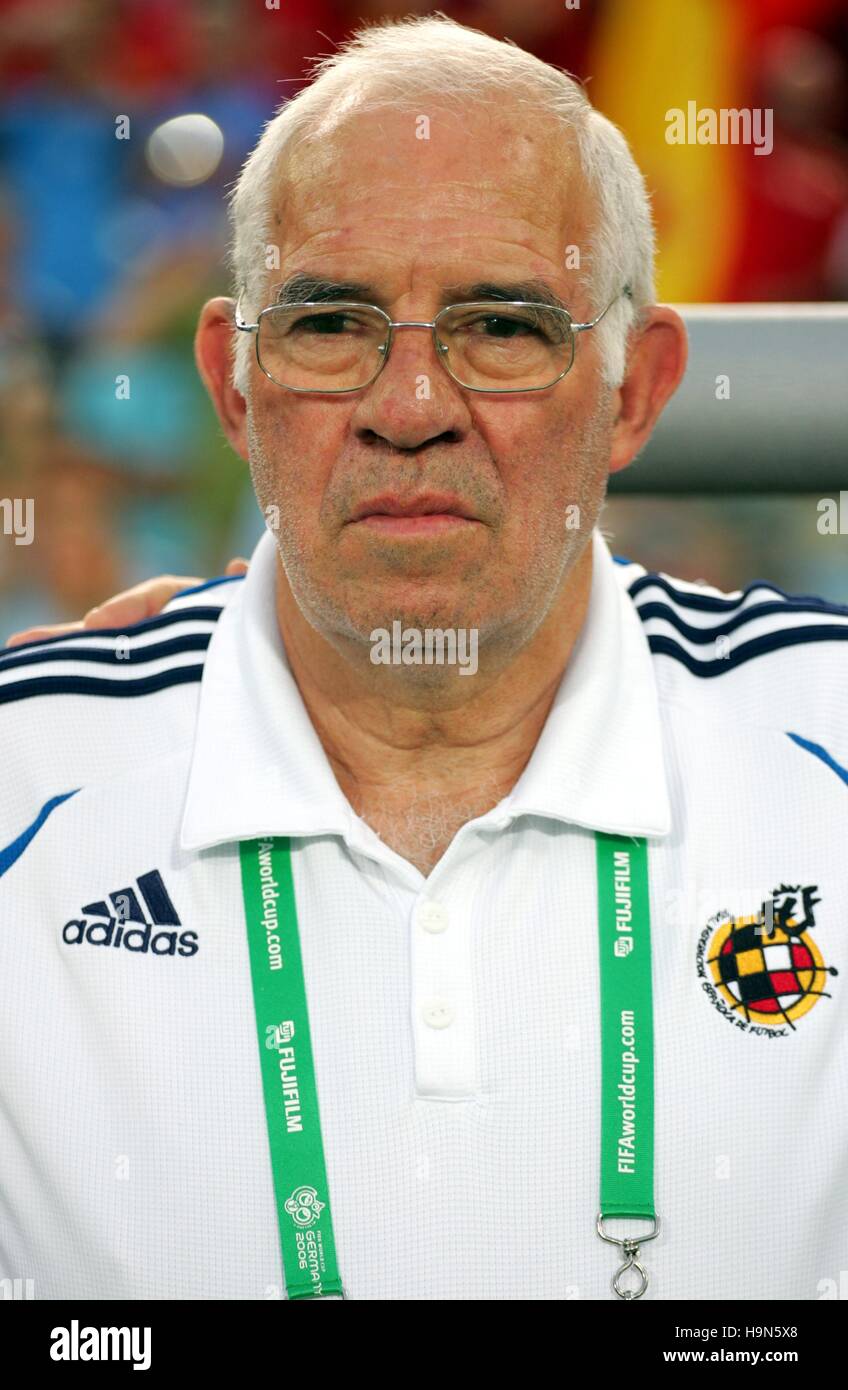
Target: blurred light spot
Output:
[(185, 150)]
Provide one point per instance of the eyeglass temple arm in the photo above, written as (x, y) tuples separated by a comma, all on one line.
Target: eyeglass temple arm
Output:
[(579, 327), (239, 321)]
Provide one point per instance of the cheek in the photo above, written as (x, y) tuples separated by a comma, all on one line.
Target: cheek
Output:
[(546, 465), (293, 447)]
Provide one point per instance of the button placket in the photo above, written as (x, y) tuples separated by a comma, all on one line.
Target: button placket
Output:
[(442, 1003), (432, 917)]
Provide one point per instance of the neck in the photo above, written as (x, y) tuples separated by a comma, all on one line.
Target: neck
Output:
[(417, 762)]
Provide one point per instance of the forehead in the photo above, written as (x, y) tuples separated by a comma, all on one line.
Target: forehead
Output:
[(433, 183)]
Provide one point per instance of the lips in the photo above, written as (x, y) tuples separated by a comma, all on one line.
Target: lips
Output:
[(425, 504)]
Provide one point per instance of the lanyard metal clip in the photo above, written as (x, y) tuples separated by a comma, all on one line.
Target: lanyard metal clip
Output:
[(630, 1246)]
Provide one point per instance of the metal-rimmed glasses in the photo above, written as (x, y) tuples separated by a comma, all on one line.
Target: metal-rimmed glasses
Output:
[(481, 344)]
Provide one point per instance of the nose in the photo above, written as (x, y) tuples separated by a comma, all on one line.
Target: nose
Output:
[(414, 401)]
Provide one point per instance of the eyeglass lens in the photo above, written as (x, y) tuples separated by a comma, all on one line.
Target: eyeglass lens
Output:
[(490, 346)]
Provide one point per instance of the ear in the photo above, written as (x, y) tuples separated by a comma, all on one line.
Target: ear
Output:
[(655, 364), (213, 344)]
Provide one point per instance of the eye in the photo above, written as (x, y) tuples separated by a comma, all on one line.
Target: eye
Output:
[(322, 323), (527, 324), (504, 327)]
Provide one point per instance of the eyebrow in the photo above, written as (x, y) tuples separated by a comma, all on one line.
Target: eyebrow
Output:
[(301, 288)]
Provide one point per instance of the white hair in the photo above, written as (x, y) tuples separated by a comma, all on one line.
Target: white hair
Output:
[(396, 62)]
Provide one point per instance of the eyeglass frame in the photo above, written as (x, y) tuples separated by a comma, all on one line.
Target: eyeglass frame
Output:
[(441, 348)]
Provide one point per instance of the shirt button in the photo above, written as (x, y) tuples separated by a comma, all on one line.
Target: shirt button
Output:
[(432, 917), (437, 1014)]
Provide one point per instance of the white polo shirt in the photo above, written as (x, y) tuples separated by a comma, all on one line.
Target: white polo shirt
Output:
[(463, 1158)]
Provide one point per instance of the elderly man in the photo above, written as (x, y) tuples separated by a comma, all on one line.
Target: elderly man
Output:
[(511, 945)]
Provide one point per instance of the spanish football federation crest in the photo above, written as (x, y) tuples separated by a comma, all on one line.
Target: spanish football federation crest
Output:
[(766, 971)]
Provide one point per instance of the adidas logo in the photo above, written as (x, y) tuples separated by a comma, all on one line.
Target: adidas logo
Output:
[(124, 923)]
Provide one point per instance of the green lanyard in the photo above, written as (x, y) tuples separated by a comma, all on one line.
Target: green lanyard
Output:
[(288, 1073), (627, 1046)]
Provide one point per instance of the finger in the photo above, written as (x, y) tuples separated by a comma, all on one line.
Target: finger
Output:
[(237, 566), (37, 634), (131, 606), (142, 601)]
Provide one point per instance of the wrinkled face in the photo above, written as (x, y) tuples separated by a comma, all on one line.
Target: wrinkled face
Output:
[(491, 196)]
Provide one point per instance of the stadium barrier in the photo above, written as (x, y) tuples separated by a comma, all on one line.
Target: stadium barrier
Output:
[(763, 406)]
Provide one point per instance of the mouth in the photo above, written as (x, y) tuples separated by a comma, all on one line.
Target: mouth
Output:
[(427, 514)]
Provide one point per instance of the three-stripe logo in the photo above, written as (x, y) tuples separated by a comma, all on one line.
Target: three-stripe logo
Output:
[(121, 921)]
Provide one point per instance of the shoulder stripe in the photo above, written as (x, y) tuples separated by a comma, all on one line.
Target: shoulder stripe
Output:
[(712, 603), (758, 646), (12, 852), (707, 633), (180, 615), (152, 651), (92, 685)]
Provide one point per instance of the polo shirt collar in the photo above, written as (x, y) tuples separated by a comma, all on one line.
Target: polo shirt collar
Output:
[(599, 759), (258, 766)]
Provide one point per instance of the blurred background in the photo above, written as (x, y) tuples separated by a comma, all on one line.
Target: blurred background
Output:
[(109, 245)]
